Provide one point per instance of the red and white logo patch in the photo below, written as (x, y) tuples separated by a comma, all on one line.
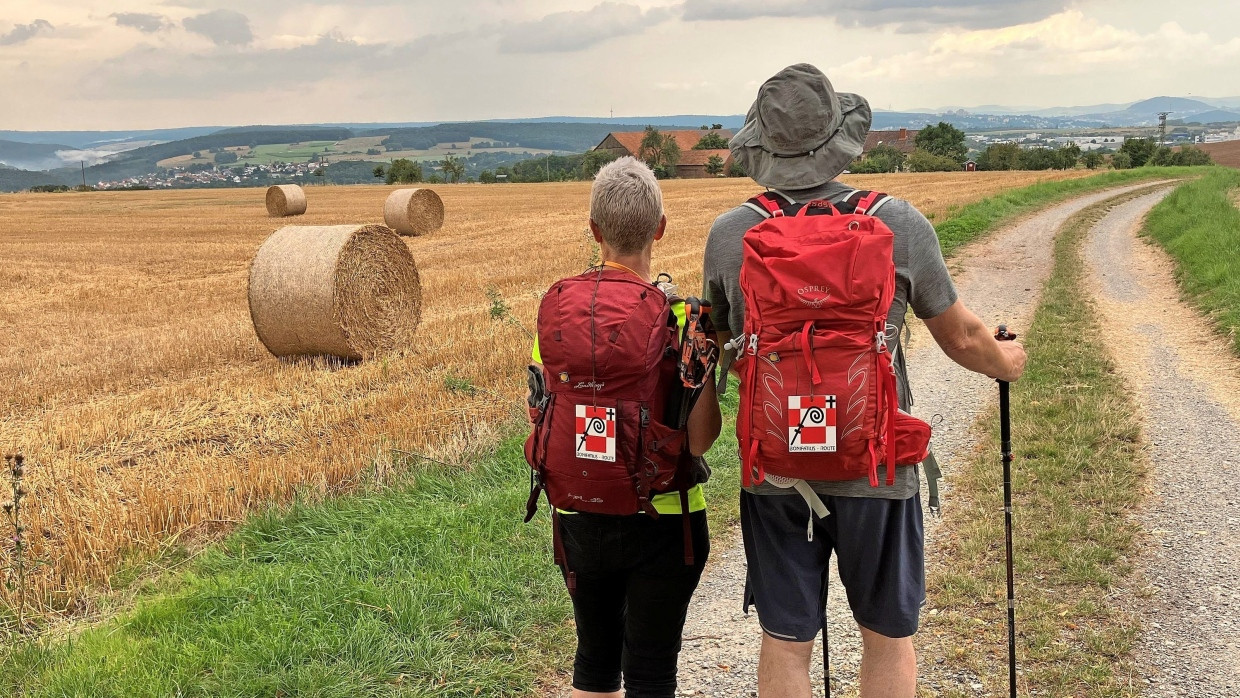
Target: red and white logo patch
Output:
[(811, 423), (596, 433)]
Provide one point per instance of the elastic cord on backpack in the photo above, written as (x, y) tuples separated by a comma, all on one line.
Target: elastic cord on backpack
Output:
[(893, 406)]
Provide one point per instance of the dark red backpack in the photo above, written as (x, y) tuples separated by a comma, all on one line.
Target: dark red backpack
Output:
[(818, 386), (600, 444)]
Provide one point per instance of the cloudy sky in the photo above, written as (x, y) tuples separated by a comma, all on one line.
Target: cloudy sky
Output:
[(127, 64)]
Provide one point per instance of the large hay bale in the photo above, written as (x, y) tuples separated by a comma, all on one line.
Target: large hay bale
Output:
[(285, 200), (337, 290), (413, 211)]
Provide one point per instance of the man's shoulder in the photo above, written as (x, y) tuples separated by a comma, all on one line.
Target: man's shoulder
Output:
[(723, 243), (739, 218), (901, 216)]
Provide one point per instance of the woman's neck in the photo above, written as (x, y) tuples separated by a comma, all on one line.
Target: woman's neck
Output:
[(639, 263)]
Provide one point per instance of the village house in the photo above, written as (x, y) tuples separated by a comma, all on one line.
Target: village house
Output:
[(903, 140), (692, 163)]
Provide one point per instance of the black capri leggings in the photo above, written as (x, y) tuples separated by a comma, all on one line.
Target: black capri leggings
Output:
[(633, 589)]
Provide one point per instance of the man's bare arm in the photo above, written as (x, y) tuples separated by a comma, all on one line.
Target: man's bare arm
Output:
[(969, 342), (705, 422)]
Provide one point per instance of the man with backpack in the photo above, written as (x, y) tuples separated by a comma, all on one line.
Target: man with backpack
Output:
[(810, 283), (622, 399)]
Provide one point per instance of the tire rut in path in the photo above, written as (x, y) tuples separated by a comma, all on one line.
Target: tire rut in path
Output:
[(1000, 279), (1188, 385)]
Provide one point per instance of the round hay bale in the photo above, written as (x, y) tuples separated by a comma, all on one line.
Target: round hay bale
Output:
[(413, 211), (336, 290), (285, 200)]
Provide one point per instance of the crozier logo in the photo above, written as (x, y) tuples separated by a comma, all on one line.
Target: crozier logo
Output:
[(814, 296)]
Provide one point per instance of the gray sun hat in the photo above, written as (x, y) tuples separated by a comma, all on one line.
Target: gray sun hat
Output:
[(800, 132)]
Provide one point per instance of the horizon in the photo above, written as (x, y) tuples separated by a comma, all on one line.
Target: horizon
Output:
[(164, 64), (938, 110)]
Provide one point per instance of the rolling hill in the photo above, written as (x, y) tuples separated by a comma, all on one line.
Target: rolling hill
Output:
[(1214, 116), (31, 156), (141, 161), (19, 180)]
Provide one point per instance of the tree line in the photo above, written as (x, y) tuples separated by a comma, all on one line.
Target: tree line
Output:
[(942, 148), (660, 151)]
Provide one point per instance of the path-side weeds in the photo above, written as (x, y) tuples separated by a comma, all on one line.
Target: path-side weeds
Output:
[(1078, 474), (1199, 225)]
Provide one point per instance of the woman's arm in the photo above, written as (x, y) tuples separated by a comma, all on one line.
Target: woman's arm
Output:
[(705, 421)]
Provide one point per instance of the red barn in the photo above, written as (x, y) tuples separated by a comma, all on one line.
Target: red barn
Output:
[(692, 163)]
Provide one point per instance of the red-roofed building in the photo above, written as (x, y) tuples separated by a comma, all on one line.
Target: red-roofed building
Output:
[(692, 163), (903, 140)]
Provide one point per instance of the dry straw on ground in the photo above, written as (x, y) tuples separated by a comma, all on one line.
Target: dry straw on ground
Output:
[(334, 290), (413, 211), (153, 411), (285, 200)]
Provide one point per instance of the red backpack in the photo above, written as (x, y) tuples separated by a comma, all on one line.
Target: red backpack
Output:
[(818, 387), (601, 442)]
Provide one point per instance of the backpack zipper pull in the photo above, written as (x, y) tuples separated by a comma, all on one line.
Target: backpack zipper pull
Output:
[(753, 344)]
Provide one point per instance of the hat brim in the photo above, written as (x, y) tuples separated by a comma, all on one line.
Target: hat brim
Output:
[(809, 170)]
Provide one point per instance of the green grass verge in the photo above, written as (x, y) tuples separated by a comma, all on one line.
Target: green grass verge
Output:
[(1077, 475), (432, 586), (974, 220), (1199, 225)]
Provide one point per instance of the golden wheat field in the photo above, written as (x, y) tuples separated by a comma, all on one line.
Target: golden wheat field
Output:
[(133, 381)]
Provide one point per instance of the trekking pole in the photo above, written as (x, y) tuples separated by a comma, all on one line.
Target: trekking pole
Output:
[(1005, 436)]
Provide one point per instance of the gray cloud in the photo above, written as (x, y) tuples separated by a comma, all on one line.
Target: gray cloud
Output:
[(23, 32), (576, 30), (224, 27), (147, 72), (143, 22), (907, 15)]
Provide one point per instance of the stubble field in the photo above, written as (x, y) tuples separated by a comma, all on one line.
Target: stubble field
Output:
[(133, 381)]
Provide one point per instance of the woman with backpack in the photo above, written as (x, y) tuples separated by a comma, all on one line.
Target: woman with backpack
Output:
[(623, 404)]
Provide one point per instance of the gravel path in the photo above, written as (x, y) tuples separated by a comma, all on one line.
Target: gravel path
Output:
[(999, 279), (1188, 385)]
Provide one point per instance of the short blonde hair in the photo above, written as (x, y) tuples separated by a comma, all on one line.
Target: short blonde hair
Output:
[(626, 204)]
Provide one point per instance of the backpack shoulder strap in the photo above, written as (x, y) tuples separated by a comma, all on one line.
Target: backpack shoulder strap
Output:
[(862, 202), (771, 204)]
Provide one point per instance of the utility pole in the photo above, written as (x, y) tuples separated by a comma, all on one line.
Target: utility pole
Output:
[(1162, 127)]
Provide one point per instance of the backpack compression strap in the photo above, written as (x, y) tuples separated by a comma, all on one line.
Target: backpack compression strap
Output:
[(771, 204), (774, 204), (862, 202)]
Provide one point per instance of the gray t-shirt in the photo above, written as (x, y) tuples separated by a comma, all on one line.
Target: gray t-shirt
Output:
[(922, 282)]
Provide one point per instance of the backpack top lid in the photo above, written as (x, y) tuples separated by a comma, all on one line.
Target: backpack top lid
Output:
[(606, 332), (817, 262)]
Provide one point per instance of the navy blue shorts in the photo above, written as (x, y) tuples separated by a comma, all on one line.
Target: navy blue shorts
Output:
[(880, 551)]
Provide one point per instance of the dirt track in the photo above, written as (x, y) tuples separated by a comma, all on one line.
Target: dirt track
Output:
[(1000, 279), (1188, 385)]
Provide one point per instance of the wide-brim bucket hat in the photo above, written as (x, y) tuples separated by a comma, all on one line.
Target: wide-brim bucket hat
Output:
[(800, 132)]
